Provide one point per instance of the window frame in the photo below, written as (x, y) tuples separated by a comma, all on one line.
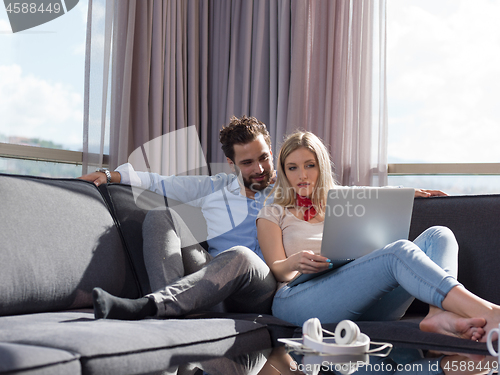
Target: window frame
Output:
[(23, 152), (43, 154), (398, 169)]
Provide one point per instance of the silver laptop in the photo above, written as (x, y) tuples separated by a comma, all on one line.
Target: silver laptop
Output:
[(361, 220)]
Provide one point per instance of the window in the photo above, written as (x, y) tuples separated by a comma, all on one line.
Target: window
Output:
[(41, 95), (443, 70)]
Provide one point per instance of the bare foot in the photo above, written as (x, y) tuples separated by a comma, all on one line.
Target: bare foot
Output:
[(448, 323), (493, 321)]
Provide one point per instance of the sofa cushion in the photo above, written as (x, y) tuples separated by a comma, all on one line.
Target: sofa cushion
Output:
[(58, 241), (130, 206), (34, 360), (113, 346)]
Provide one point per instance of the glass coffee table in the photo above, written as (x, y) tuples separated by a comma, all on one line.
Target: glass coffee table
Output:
[(412, 352)]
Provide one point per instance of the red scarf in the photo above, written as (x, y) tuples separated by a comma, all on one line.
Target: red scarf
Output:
[(306, 202)]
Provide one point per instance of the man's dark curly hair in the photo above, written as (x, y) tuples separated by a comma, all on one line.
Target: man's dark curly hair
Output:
[(241, 131)]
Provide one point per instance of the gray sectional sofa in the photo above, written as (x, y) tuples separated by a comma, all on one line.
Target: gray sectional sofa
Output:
[(60, 238)]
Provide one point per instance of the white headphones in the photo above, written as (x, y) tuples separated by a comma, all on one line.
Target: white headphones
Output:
[(346, 349), (347, 338)]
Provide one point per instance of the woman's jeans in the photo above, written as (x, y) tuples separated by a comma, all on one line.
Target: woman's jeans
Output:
[(377, 286)]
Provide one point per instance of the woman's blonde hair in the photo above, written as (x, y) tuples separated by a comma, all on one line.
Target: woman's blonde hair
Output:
[(284, 195)]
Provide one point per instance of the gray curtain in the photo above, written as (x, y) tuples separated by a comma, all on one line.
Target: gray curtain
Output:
[(317, 65)]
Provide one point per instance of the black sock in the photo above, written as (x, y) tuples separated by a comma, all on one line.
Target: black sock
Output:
[(107, 306)]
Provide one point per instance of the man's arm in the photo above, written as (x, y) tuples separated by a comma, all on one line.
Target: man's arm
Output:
[(186, 189), (99, 178)]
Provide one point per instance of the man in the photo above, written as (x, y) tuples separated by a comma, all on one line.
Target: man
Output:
[(229, 204), (183, 275)]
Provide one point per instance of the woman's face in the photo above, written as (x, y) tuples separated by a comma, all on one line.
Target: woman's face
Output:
[(302, 171)]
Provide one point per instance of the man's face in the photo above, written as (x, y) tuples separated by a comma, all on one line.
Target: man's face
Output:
[(255, 163)]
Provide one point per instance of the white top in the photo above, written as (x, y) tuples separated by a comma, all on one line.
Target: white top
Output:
[(298, 234)]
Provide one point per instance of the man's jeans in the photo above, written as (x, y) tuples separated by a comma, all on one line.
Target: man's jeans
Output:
[(378, 286), (187, 279)]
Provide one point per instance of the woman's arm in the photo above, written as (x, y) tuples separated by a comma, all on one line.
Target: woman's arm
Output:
[(285, 269), (425, 193)]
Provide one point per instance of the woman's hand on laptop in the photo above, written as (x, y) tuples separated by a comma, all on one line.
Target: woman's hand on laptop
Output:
[(425, 193), (306, 261)]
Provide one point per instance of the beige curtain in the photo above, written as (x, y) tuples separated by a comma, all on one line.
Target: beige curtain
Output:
[(250, 65), (161, 61), (338, 70), (313, 64)]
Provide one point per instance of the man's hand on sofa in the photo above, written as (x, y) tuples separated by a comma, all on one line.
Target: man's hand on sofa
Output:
[(425, 193), (99, 178)]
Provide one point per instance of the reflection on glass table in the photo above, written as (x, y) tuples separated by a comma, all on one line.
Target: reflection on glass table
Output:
[(405, 361), (280, 360)]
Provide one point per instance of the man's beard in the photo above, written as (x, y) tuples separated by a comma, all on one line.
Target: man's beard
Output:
[(253, 185), (257, 186)]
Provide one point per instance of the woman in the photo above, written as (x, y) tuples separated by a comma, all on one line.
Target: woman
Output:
[(378, 286)]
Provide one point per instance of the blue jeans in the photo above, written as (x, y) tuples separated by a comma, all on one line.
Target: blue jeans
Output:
[(378, 286)]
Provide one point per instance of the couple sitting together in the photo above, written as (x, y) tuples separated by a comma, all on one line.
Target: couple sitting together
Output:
[(246, 268)]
